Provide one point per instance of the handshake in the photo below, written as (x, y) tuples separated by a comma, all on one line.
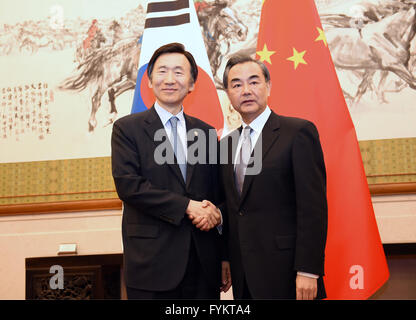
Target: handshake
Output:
[(204, 214)]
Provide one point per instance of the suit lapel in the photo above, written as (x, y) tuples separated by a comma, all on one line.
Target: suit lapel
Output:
[(267, 138), (228, 146), (190, 126), (154, 124)]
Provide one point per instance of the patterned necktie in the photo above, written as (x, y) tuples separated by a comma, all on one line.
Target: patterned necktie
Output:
[(244, 157), (177, 147)]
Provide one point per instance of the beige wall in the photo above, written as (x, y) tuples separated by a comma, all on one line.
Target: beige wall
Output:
[(26, 236), (396, 218), (98, 232)]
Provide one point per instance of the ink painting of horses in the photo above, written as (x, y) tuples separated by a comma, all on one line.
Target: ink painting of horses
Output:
[(373, 47)]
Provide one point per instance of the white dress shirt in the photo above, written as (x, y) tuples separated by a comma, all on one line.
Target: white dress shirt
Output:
[(257, 126)]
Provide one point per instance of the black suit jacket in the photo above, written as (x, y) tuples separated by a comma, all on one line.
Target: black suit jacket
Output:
[(156, 230), (278, 225)]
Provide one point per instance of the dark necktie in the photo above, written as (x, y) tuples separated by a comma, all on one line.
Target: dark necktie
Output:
[(177, 147), (243, 159)]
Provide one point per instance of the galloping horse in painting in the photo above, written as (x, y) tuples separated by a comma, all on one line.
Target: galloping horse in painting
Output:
[(380, 45), (113, 69), (220, 26), (109, 69)]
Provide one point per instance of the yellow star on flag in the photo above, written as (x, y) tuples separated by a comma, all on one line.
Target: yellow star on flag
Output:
[(265, 54), (297, 57), (321, 36)]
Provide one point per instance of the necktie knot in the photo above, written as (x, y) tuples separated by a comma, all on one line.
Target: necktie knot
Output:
[(246, 132)]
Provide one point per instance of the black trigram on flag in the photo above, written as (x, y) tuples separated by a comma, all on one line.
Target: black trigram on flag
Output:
[(169, 20)]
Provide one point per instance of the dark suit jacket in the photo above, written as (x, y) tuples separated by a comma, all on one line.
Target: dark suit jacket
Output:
[(156, 230), (278, 225)]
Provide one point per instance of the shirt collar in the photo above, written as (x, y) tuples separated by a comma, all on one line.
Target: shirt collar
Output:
[(165, 115), (258, 123)]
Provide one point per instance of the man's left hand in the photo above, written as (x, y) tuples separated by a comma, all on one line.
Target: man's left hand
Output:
[(306, 288), (225, 276)]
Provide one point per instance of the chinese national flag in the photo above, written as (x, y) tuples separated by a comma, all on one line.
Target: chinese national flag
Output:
[(293, 46)]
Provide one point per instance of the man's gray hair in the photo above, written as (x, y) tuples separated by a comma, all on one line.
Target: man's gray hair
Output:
[(238, 59)]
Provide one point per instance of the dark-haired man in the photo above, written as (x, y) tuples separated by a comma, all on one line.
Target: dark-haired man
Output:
[(277, 215), (171, 248)]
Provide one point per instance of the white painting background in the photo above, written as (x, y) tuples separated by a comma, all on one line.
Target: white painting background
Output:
[(69, 136), (70, 110), (372, 118)]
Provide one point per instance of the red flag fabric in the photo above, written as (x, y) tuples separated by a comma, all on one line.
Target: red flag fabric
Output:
[(293, 46)]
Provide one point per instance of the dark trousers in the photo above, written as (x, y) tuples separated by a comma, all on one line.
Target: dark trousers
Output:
[(194, 284), (246, 291)]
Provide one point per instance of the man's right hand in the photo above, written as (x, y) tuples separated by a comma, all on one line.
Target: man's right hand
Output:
[(204, 215)]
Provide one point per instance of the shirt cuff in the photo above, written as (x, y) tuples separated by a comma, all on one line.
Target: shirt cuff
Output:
[(219, 227), (309, 275)]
